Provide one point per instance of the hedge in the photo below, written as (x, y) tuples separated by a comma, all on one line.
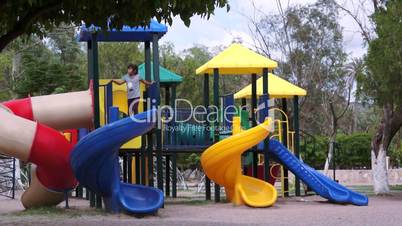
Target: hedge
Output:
[(351, 152)]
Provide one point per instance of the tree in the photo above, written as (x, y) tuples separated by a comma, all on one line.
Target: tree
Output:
[(38, 17), (168, 56), (40, 73), (193, 58), (116, 56), (310, 46), (73, 61), (382, 82), (39, 67), (5, 69)]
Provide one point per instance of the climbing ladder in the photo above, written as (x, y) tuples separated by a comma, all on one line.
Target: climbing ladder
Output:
[(279, 126)]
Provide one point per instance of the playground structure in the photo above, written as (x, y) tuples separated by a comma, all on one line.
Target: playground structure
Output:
[(94, 160), (237, 59)]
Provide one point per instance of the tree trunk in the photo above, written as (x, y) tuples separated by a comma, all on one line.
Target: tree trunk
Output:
[(331, 146), (379, 170), (390, 123), (332, 140)]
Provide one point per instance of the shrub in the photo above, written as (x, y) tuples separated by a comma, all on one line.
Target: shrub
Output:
[(395, 152), (351, 151)]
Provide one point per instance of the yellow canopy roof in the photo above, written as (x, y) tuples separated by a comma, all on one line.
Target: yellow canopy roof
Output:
[(237, 60), (277, 88)]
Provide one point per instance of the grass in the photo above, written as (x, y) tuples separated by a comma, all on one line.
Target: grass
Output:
[(59, 212), (188, 201), (364, 189), (368, 190)]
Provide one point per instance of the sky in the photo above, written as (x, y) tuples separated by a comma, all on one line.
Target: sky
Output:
[(224, 26)]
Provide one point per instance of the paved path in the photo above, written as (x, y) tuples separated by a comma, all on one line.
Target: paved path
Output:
[(386, 210)]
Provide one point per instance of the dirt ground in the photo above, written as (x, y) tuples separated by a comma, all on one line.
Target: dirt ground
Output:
[(311, 210)]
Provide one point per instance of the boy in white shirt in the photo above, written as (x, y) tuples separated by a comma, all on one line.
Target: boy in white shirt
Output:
[(133, 80)]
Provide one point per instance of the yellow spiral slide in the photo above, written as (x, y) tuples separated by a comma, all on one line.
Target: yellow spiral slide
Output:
[(222, 164)]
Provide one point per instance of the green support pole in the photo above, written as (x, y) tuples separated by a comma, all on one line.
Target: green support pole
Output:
[(297, 138), (95, 78), (92, 199), (265, 86), (206, 132), (174, 177), (243, 104), (87, 193), (216, 126), (143, 161), (167, 157), (90, 61), (254, 120), (168, 135), (125, 171), (285, 143), (143, 151), (155, 58), (90, 194), (96, 104), (129, 157), (167, 175), (150, 155), (137, 160), (174, 155), (94, 70)]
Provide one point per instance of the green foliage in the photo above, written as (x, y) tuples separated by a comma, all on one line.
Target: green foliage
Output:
[(191, 88), (395, 152), (36, 17), (188, 161), (114, 58), (168, 57), (352, 151), (383, 81), (53, 67), (5, 68), (41, 72), (314, 151), (309, 37)]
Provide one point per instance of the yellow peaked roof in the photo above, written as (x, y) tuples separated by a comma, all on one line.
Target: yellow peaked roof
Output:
[(237, 60), (277, 88)]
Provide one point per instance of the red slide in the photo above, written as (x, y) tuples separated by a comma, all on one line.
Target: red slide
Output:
[(29, 131)]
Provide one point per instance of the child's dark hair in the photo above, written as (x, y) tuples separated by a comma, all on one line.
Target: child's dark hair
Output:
[(133, 66)]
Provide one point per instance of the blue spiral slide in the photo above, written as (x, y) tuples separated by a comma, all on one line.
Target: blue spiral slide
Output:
[(319, 183), (95, 164)]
